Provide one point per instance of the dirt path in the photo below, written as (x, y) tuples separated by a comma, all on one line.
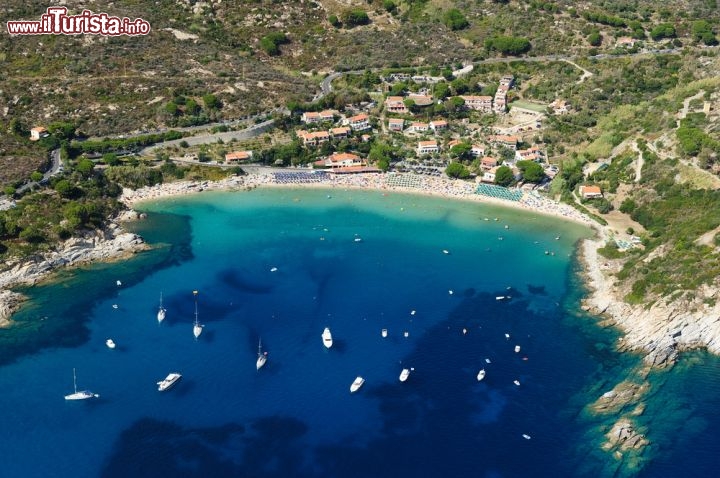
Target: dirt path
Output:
[(586, 73)]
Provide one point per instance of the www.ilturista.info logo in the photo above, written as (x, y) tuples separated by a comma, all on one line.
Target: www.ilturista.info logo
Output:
[(57, 22)]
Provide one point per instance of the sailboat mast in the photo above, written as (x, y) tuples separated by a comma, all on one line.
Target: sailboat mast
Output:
[(74, 380)]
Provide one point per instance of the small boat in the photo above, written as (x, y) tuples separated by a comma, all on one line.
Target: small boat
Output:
[(161, 311), (197, 326), (412, 312), (359, 381), (404, 374), (464, 331), (406, 334), (451, 292), (481, 374), (445, 251), (516, 382), (526, 436), (115, 306), (517, 349), (507, 227), (327, 338), (500, 297), (81, 395), (118, 283), (357, 238), (262, 357), (487, 360), (383, 332), (274, 269), (507, 336), (110, 343), (168, 381)]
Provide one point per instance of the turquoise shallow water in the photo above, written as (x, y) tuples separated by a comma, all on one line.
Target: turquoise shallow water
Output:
[(296, 416)]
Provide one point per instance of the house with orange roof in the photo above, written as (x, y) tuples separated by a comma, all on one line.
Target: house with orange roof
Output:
[(530, 154), (38, 132), (507, 141), (418, 126), (427, 147), (478, 103), (340, 132), (238, 156), (438, 125), (358, 122), (310, 117), (395, 104), (396, 124), (314, 138), (477, 150), (453, 142), (340, 160), (487, 163), (590, 192)]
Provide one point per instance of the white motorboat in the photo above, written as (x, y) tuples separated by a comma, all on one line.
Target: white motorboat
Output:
[(445, 251), (516, 382), (161, 311), (406, 334), (262, 356), (114, 306), (481, 374), (168, 381), (357, 238), (383, 332), (273, 269), (118, 283), (197, 326), (526, 436), (404, 374), (110, 343), (517, 349), (327, 338), (82, 394), (359, 381), (500, 297)]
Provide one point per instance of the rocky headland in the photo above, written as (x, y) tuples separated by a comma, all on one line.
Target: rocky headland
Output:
[(112, 243)]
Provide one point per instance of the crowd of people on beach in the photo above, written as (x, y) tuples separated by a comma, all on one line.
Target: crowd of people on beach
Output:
[(436, 186)]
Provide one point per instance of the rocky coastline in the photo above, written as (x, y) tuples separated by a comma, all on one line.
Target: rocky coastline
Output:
[(112, 243)]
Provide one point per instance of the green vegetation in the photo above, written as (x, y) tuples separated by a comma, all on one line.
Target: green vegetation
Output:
[(354, 17), (504, 176), (702, 32), (664, 30), (271, 43), (455, 20), (508, 45), (457, 170)]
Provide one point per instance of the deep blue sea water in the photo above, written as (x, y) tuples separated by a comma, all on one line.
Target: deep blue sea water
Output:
[(296, 416)]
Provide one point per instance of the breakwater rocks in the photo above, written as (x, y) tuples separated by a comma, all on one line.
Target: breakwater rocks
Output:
[(110, 244)]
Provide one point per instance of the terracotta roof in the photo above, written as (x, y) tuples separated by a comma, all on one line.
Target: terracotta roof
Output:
[(238, 156)]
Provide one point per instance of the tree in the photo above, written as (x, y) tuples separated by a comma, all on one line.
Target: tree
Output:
[(508, 45), (594, 38), (36, 176), (211, 102), (65, 189), (702, 31), (390, 6), (171, 108), (85, 167), (455, 20), (354, 17), (664, 30), (334, 21), (461, 151), (270, 43), (111, 159), (191, 107), (532, 171), (457, 170), (504, 176), (441, 90), (62, 129)]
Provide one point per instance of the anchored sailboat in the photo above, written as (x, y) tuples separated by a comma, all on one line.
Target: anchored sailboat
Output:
[(81, 395), (262, 356), (161, 311), (197, 326)]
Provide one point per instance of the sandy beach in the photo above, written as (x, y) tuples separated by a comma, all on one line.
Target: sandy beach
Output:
[(424, 185)]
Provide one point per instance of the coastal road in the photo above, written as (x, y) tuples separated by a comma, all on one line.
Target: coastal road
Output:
[(55, 168), (247, 133)]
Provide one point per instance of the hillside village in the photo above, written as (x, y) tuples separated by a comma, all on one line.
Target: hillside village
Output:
[(429, 143)]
